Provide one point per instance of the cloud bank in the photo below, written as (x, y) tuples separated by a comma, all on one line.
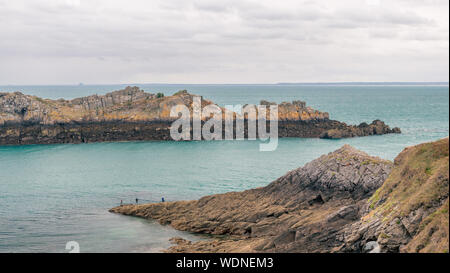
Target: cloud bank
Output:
[(233, 41)]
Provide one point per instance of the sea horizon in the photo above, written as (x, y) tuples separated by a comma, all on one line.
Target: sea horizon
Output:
[(350, 83)]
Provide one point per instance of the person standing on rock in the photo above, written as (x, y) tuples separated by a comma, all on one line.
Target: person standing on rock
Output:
[(162, 200), (137, 201)]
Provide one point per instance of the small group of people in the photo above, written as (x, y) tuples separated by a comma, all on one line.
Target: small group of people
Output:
[(137, 201)]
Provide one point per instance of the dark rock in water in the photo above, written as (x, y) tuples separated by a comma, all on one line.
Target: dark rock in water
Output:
[(377, 127), (346, 201), (132, 114)]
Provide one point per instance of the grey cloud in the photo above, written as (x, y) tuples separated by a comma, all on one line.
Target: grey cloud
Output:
[(375, 17), (383, 34), (55, 41), (405, 19), (425, 36), (218, 6)]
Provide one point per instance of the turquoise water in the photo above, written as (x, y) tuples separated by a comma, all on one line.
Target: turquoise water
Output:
[(52, 194)]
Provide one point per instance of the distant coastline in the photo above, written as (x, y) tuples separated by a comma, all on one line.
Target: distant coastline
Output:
[(243, 84), (371, 83)]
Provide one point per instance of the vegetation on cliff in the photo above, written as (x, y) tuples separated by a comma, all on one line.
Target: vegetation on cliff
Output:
[(409, 213)]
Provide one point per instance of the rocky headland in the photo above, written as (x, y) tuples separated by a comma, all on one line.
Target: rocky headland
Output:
[(345, 201), (132, 115)]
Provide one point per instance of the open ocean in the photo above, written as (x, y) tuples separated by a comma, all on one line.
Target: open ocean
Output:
[(52, 194)]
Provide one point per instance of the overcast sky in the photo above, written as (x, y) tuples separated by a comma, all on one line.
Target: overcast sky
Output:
[(222, 41)]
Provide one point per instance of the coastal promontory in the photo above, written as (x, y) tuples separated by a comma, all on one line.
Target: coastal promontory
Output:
[(133, 115), (345, 201)]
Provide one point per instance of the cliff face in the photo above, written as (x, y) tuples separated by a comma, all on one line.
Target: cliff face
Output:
[(128, 105), (330, 205), (409, 213), (132, 114), (296, 111)]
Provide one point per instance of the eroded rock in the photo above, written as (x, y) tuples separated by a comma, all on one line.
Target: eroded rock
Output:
[(345, 201), (132, 115), (282, 215)]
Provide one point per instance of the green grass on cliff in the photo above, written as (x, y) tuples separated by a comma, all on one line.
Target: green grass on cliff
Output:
[(420, 179)]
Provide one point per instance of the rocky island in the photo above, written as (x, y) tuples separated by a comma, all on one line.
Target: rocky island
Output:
[(345, 201), (132, 115)]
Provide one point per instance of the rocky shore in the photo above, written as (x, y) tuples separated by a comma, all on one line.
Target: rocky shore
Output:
[(345, 201), (132, 114)]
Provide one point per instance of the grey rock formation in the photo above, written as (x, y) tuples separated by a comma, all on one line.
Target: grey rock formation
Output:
[(299, 212), (96, 102), (325, 207), (372, 247)]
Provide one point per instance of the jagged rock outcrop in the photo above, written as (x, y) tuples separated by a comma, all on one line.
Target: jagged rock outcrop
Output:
[(132, 114), (300, 211), (330, 205), (377, 127), (128, 105), (297, 110)]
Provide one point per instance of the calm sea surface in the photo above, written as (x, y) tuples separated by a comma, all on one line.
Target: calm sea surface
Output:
[(52, 194)]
